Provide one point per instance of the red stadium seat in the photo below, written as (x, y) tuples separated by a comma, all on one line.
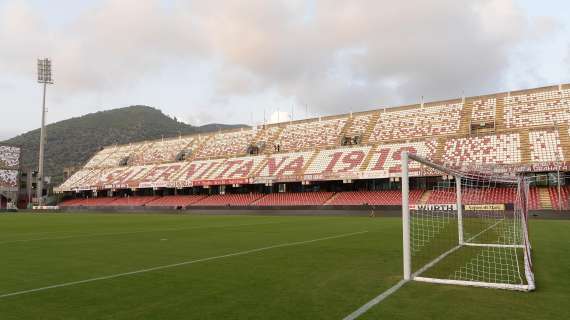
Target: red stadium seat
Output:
[(175, 201), (229, 200), (564, 193), (135, 201), (294, 199), (474, 196), (388, 197)]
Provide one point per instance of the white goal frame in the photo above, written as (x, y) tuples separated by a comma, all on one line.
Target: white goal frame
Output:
[(416, 275)]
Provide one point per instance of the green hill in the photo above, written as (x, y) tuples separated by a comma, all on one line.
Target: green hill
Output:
[(72, 142)]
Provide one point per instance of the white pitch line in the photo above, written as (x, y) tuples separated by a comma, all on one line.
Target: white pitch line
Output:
[(136, 232), (430, 264), (239, 253), (37, 233), (360, 311), (487, 229)]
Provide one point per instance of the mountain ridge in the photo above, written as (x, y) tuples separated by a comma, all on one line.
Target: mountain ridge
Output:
[(73, 141)]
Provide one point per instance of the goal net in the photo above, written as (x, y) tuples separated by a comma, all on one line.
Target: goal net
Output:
[(470, 229)]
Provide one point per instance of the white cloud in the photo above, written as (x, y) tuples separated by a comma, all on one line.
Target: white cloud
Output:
[(4, 134), (21, 37), (279, 116), (333, 56), (362, 52)]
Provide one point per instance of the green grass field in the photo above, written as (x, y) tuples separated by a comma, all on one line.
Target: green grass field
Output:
[(245, 267)]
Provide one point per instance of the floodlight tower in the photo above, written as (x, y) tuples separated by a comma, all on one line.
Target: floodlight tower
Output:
[(44, 77)]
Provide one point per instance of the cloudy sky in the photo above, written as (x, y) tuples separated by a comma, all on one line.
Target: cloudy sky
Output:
[(231, 61)]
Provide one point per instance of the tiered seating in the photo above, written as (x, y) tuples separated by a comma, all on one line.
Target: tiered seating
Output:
[(484, 110), (97, 160), (118, 177), (72, 202), (492, 149), (169, 175), (215, 169), (388, 197), (8, 178), (534, 199), (229, 199), (75, 179), (226, 144), (417, 122), (265, 135), (9, 157), (310, 135), (359, 125), (175, 201), (540, 108), (236, 168), (338, 161), (564, 196), (135, 201), (443, 196), (490, 195), (165, 151), (112, 156), (294, 199), (9, 166), (545, 146), (311, 150), (93, 202), (387, 158), (284, 164), (160, 175), (474, 196)]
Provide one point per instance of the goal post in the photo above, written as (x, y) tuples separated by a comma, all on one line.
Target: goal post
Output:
[(470, 229)]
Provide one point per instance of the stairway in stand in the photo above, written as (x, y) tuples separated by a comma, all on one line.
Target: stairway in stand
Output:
[(345, 128), (331, 199), (199, 148), (544, 198), (565, 141), (440, 149), (525, 146), (500, 113), (311, 159), (368, 158), (465, 120), (271, 141), (425, 197), (370, 128)]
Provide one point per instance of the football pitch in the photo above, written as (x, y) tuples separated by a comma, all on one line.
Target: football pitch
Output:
[(167, 266)]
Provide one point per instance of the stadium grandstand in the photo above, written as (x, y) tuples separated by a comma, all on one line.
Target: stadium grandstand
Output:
[(9, 173), (342, 160)]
